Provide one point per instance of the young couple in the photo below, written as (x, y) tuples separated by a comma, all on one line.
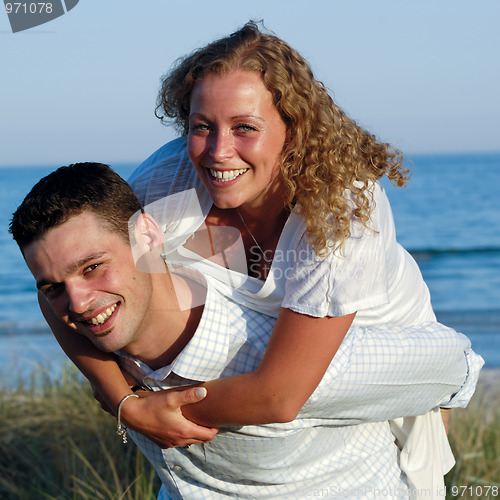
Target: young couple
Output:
[(304, 377)]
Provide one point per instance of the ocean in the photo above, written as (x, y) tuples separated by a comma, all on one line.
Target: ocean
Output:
[(447, 217)]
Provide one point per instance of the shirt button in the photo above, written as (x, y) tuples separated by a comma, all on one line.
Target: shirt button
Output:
[(177, 468)]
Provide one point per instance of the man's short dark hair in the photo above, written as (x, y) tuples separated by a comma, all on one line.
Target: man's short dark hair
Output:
[(69, 191)]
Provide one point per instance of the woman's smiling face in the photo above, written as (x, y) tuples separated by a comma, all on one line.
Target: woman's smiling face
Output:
[(236, 136)]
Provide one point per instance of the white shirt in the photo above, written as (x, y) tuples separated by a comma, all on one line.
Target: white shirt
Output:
[(321, 450)]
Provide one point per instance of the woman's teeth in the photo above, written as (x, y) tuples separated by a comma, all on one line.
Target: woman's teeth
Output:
[(226, 175), (101, 318)]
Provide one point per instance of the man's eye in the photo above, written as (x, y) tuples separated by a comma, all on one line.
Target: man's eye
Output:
[(52, 290), (90, 268)]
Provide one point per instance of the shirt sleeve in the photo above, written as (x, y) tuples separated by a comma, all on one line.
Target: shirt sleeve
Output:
[(389, 372), (344, 280)]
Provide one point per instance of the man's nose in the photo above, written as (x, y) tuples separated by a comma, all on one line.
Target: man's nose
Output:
[(221, 146), (80, 297)]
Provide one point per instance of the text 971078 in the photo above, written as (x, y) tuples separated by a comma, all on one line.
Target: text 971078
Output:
[(28, 8), (477, 491)]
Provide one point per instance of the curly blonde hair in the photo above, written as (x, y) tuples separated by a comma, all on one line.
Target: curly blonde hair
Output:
[(325, 153)]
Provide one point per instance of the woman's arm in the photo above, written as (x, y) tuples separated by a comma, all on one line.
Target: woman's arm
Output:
[(297, 356)]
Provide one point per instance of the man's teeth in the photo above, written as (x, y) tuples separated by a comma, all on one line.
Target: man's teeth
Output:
[(101, 318), (226, 175)]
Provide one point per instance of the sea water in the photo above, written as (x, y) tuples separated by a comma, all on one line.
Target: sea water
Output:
[(447, 217)]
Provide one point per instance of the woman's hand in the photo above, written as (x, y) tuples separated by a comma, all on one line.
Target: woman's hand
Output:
[(445, 415), (98, 397), (158, 416), (131, 381)]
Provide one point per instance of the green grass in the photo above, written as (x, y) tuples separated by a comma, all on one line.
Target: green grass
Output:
[(56, 443), (475, 440)]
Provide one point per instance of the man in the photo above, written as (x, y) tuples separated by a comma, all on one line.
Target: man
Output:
[(73, 229)]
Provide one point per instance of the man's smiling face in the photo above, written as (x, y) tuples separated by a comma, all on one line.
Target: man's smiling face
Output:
[(87, 274)]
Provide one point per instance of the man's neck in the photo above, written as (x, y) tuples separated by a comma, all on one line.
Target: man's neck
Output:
[(176, 320)]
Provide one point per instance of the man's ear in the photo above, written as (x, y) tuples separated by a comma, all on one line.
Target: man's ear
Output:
[(148, 245), (148, 234)]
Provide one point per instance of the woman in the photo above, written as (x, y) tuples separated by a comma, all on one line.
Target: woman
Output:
[(274, 157), (268, 143)]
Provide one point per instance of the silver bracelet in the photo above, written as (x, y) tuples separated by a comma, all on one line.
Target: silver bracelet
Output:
[(121, 430)]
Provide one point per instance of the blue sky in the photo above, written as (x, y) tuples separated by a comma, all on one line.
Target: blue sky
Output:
[(423, 75)]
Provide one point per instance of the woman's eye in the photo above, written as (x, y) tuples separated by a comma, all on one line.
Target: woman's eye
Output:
[(199, 127), (245, 128)]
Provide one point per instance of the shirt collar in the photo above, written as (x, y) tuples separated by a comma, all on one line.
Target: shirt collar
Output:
[(206, 354)]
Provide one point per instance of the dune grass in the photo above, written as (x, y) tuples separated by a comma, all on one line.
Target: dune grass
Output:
[(56, 443), (475, 440)]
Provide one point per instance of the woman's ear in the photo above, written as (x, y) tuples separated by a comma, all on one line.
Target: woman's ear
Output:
[(148, 245)]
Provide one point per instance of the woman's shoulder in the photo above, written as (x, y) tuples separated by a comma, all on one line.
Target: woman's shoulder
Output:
[(170, 153), (167, 171)]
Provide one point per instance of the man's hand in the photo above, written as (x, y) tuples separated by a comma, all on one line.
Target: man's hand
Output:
[(158, 416)]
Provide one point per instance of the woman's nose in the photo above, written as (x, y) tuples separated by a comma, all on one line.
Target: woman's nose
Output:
[(221, 146)]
